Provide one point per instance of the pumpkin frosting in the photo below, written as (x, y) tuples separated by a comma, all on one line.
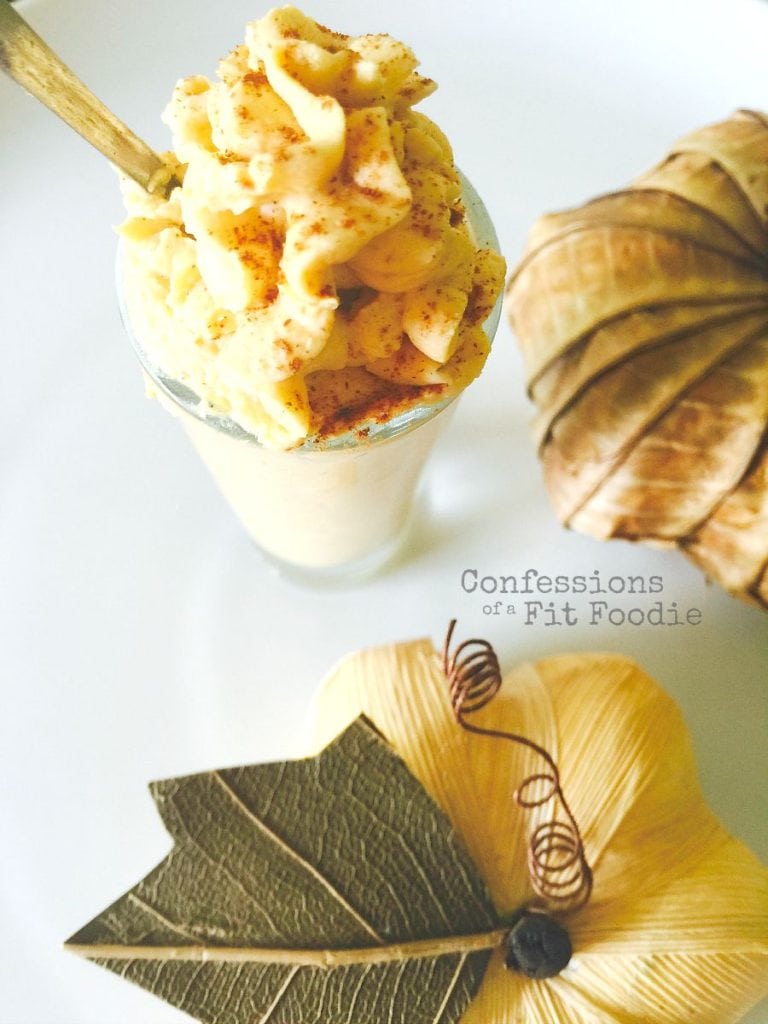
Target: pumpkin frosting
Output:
[(318, 241)]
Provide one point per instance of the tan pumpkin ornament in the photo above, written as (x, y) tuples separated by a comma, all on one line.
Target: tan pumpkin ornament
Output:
[(643, 321), (666, 914), (459, 847)]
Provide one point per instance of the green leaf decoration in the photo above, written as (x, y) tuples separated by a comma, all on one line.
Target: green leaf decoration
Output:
[(305, 892)]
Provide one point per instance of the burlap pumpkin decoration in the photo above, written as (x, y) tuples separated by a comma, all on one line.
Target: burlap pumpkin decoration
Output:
[(643, 320)]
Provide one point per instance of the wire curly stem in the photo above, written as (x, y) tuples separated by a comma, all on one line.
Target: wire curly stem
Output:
[(560, 873)]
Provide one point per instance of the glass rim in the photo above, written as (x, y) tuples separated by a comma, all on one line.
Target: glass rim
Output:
[(367, 431)]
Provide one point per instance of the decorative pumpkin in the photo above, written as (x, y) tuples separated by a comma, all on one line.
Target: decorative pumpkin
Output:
[(643, 321), (676, 929)]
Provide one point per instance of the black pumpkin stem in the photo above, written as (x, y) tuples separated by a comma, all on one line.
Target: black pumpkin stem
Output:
[(537, 945)]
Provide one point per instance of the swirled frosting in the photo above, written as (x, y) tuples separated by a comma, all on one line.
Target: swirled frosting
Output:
[(315, 268)]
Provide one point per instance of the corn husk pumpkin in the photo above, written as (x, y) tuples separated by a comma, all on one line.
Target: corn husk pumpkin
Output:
[(676, 929), (643, 321)]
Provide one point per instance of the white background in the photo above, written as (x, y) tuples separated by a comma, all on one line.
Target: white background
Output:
[(141, 635)]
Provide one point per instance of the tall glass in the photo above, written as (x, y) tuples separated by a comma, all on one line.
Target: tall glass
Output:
[(330, 509)]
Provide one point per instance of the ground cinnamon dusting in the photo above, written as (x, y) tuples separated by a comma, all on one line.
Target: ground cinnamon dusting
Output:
[(334, 35), (380, 405), (255, 78)]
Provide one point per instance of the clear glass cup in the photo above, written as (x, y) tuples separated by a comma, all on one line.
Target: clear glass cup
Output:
[(329, 510)]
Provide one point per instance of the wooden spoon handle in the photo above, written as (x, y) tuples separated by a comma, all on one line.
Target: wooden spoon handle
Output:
[(34, 65)]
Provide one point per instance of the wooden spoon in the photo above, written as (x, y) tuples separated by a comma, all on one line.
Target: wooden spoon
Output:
[(34, 65)]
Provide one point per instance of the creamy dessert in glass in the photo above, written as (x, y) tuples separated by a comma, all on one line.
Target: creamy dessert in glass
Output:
[(317, 291)]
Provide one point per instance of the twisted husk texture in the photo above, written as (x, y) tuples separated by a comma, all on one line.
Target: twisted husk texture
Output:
[(643, 321), (676, 929)]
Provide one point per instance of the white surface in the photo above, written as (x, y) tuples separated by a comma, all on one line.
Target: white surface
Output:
[(142, 636)]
